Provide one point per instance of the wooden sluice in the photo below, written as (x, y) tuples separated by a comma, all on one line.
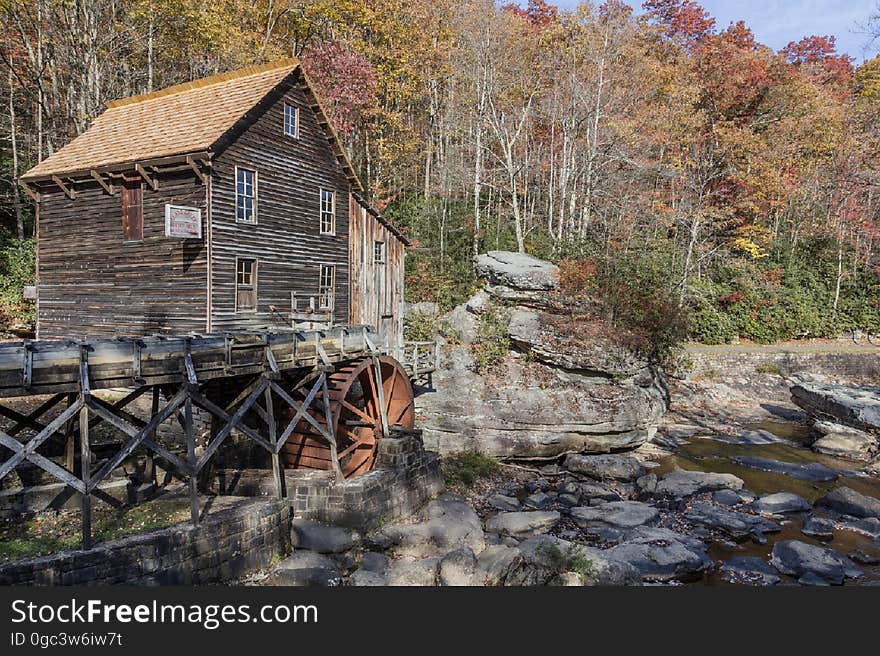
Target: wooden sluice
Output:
[(265, 385)]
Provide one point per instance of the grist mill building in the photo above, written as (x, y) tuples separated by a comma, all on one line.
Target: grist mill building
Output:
[(226, 203)]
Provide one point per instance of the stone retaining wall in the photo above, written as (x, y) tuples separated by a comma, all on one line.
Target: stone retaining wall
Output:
[(858, 365), (405, 478), (228, 545)]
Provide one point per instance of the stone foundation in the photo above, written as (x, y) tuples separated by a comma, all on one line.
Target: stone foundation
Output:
[(853, 364), (228, 545), (405, 478)]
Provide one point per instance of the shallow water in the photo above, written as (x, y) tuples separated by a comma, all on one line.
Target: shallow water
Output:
[(702, 453)]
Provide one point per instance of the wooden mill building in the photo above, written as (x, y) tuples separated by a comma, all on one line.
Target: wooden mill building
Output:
[(227, 203)]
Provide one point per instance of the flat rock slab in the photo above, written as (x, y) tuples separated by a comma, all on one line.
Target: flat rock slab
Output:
[(503, 502), (605, 467), (544, 558), (320, 537), (495, 563), (727, 497), (448, 523), (849, 502), (735, 524), (844, 441), (615, 514), (856, 407), (749, 570), (819, 528), (305, 568), (662, 555), (755, 437), (516, 270), (780, 503), (538, 501), (413, 573), (523, 524), (457, 568), (805, 471), (800, 559), (682, 483)]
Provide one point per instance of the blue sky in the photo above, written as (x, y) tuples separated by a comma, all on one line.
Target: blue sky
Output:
[(777, 22)]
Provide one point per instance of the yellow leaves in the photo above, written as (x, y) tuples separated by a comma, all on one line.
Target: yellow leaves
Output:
[(751, 240), (868, 80)]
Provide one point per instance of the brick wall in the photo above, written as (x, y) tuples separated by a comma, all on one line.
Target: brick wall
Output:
[(228, 545), (405, 478)]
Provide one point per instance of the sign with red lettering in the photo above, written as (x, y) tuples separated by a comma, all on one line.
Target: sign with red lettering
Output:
[(183, 222)]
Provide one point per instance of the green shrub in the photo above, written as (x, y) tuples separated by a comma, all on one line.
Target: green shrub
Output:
[(572, 559), (17, 270), (466, 467), (419, 327), (492, 341)]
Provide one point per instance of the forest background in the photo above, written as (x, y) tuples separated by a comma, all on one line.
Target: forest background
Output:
[(690, 181)]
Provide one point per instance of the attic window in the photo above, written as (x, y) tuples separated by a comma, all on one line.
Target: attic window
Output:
[(245, 195), (291, 121), (379, 252), (132, 210)]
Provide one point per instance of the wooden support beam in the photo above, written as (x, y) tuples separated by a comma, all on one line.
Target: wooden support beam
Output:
[(198, 171), (70, 192), (277, 468), (100, 180), (328, 414), (85, 457), (150, 180), (35, 195), (191, 458)]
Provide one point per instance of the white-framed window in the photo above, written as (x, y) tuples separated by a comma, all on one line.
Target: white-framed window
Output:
[(291, 120), (245, 195), (245, 284), (378, 252), (328, 212), (326, 286)]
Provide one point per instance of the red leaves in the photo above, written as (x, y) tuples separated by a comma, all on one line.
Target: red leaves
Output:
[(817, 57), (685, 20), (346, 82)]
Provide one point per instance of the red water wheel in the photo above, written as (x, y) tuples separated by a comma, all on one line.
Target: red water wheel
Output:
[(356, 414)]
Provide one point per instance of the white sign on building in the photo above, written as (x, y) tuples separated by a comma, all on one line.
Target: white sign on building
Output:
[(183, 222)]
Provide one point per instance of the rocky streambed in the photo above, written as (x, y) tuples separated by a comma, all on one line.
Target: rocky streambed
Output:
[(726, 493)]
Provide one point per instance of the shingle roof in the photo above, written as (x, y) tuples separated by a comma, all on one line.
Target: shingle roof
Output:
[(186, 118)]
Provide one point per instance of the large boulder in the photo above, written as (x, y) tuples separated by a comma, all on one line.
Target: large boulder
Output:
[(856, 407), (530, 409), (516, 270)]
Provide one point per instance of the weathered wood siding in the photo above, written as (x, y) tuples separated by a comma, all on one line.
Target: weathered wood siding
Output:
[(93, 283), (377, 289), (286, 240)]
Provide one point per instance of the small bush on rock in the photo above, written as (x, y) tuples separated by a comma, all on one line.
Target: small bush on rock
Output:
[(572, 559), (466, 467), (492, 343)]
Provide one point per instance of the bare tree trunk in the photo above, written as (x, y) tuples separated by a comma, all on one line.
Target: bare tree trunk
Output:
[(13, 138)]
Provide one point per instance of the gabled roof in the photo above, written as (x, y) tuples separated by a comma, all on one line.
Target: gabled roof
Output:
[(183, 119)]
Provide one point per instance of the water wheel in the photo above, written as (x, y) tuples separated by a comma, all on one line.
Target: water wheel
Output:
[(356, 414)]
